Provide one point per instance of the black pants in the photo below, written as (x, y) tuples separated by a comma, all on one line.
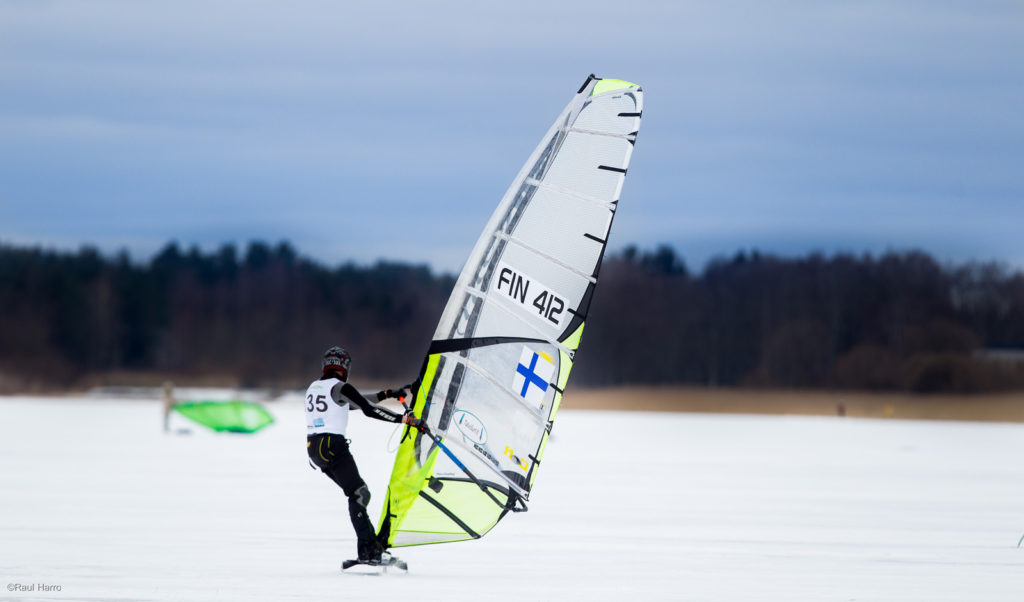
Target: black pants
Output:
[(330, 453)]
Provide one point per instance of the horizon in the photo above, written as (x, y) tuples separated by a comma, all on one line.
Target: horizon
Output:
[(746, 253), (371, 133)]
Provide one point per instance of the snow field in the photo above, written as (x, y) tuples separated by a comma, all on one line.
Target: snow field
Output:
[(633, 506)]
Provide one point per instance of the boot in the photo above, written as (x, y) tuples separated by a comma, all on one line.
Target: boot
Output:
[(369, 551)]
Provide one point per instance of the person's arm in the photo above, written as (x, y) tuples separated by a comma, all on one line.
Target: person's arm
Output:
[(349, 394)]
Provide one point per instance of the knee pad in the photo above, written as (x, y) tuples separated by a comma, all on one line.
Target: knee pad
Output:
[(362, 496)]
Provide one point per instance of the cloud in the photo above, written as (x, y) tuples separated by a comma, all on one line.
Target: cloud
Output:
[(812, 123)]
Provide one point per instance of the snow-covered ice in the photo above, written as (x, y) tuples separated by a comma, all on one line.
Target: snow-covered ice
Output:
[(96, 499)]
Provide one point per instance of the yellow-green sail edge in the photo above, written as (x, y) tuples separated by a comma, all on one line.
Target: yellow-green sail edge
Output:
[(415, 513), (571, 343), (611, 85), (408, 478)]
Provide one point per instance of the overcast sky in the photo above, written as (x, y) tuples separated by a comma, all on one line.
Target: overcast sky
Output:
[(390, 130)]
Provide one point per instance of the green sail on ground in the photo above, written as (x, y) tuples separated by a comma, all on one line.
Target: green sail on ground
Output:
[(226, 416)]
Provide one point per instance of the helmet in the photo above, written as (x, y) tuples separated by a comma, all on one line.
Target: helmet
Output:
[(337, 358)]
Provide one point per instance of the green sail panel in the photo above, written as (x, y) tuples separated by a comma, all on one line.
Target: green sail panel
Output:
[(493, 378), (226, 416)]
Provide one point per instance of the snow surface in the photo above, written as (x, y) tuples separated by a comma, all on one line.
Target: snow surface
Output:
[(97, 499)]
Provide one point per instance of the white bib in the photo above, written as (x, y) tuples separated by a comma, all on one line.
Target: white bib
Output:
[(323, 414)]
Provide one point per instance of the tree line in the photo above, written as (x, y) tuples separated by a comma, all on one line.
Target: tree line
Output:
[(258, 318), (899, 321)]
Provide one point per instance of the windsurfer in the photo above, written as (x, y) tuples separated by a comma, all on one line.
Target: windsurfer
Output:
[(168, 404), (327, 403)]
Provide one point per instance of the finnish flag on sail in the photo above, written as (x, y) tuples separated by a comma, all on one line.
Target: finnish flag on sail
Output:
[(532, 376)]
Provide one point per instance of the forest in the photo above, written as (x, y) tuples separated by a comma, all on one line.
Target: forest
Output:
[(899, 321)]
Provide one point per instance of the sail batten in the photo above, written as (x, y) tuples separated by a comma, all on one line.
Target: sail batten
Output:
[(550, 258), (495, 373), (598, 133), (557, 189)]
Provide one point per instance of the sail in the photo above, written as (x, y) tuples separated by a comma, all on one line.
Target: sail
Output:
[(500, 358), (230, 416)]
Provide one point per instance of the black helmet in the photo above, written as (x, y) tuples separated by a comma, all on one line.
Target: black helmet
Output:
[(337, 358)]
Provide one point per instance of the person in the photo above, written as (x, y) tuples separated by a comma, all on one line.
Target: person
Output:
[(168, 402), (327, 406)]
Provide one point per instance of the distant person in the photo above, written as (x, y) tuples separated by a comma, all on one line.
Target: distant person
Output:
[(168, 399), (327, 404)]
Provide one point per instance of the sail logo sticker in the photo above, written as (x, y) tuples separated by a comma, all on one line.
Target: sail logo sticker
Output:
[(471, 427), (534, 297), (515, 459), (533, 375)]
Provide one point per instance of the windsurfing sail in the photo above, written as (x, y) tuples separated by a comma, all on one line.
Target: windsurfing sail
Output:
[(500, 358), (229, 416)]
